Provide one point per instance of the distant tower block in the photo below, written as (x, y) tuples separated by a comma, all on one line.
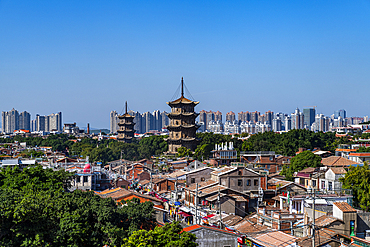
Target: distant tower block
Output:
[(182, 125), (126, 127)]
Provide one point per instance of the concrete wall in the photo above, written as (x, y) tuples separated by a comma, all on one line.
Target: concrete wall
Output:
[(199, 176), (214, 238), (247, 178)]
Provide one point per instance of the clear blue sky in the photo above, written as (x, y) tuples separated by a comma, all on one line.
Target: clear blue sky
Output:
[(86, 58)]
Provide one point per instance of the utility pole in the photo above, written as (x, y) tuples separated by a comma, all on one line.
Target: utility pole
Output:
[(219, 207), (196, 205), (313, 218), (176, 197)]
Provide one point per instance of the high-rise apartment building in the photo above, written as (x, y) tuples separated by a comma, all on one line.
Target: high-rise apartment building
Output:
[(12, 121), (297, 119), (230, 116), (25, 121), (218, 116), (268, 117), (254, 116), (340, 113), (309, 117), (276, 124), (52, 122), (113, 122)]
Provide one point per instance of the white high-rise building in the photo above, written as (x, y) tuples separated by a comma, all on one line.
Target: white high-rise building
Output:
[(113, 122)]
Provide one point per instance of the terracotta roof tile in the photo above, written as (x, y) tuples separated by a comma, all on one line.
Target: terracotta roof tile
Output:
[(337, 161), (325, 220), (344, 207), (247, 227), (338, 170), (276, 238)]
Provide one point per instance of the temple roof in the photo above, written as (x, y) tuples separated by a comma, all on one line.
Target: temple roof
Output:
[(182, 100)]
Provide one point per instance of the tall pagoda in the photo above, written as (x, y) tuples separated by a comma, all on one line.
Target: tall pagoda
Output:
[(126, 127), (182, 125)]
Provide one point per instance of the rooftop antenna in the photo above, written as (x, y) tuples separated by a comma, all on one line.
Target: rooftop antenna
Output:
[(182, 86), (126, 107)]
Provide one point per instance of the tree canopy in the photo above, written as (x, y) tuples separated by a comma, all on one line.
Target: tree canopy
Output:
[(358, 180), (166, 236), (301, 161), (36, 210)]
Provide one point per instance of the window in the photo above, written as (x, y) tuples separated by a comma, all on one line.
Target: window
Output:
[(330, 186), (85, 179), (78, 179), (240, 182), (240, 173), (202, 179), (248, 182), (256, 182), (192, 180), (169, 187), (314, 183), (322, 184)]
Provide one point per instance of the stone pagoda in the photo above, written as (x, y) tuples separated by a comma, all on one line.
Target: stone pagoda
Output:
[(182, 125), (125, 127)]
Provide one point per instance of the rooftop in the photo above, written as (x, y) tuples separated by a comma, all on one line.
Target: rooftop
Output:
[(344, 207)]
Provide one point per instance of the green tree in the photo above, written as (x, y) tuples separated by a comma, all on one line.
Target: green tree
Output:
[(166, 236), (300, 162), (184, 152), (35, 210), (358, 180)]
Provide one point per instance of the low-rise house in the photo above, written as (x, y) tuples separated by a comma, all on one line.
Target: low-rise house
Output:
[(195, 164), (337, 161), (309, 177), (330, 183), (359, 157), (212, 237), (241, 179), (198, 175), (273, 238)]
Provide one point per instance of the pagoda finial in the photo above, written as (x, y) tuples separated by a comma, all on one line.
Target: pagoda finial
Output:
[(182, 86), (126, 107)]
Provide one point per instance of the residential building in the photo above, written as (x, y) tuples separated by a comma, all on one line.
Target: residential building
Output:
[(297, 119), (24, 121), (309, 117), (218, 116), (340, 113), (10, 121), (330, 183), (113, 122), (212, 237), (230, 116)]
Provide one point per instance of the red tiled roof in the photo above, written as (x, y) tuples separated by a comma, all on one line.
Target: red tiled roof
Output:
[(337, 161), (194, 227), (277, 238), (344, 207), (338, 170), (325, 220), (359, 154)]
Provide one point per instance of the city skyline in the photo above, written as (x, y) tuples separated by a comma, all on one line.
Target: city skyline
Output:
[(86, 59)]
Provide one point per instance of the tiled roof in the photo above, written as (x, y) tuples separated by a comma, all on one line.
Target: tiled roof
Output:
[(238, 198), (247, 227), (322, 237), (202, 184), (276, 238), (223, 170), (232, 220), (338, 170), (195, 227), (211, 189), (359, 154), (337, 161), (344, 207), (325, 220), (309, 170)]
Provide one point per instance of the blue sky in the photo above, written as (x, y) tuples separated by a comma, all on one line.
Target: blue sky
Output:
[(86, 58)]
